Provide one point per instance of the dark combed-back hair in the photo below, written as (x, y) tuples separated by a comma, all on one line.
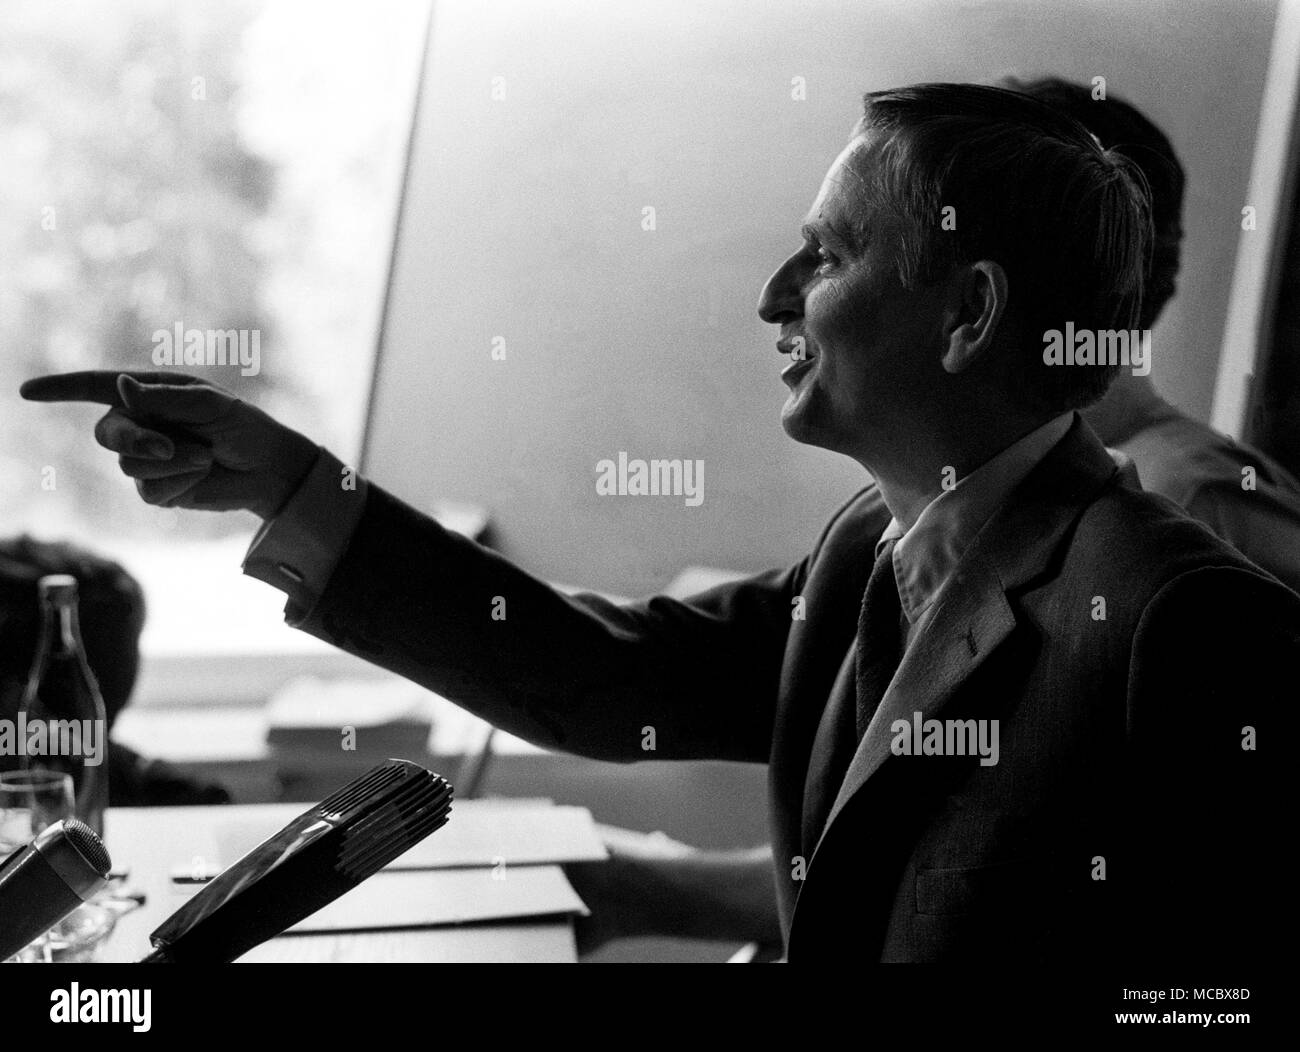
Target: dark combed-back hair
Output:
[(1120, 126), (1034, 191)]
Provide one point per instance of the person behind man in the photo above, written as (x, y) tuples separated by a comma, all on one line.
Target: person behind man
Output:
[(112, 616), (1244, 496), (1002, 580), (657, 886)]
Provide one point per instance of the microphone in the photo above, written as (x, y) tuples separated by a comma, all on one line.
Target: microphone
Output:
[(319, 856), (44, 881)]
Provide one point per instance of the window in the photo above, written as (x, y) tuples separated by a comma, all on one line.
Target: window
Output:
[(225, 169)]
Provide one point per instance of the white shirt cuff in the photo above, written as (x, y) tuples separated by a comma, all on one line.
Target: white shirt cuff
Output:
[(298, 550)]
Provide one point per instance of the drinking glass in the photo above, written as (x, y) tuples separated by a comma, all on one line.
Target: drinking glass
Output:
[(30, 801)]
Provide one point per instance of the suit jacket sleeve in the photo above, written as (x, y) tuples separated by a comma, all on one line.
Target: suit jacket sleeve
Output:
[(656, 679), (1215, 655)]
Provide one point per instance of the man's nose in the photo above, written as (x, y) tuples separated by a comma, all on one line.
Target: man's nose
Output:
[(782, 298)]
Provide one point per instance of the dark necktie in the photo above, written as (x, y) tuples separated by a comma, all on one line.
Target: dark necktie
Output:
[(880, 637), (878, 650)]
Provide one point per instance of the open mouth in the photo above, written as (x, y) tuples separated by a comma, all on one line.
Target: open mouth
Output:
[(797, 369)]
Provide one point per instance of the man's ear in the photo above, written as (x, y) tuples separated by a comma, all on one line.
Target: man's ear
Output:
[(971, 327)]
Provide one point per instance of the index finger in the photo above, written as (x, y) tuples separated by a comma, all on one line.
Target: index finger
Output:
[(92, 385)]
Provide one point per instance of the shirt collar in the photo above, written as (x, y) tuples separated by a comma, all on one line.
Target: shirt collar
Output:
[(926, 555)]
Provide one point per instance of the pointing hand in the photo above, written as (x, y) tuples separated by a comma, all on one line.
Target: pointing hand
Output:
[(187, 442)]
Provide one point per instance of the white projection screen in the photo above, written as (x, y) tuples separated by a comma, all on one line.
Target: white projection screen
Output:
[(544, 131)]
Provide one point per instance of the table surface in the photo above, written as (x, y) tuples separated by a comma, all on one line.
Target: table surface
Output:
[(152, 842)]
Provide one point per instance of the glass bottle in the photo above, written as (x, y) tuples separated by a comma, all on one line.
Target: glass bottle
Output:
[(66, 729)]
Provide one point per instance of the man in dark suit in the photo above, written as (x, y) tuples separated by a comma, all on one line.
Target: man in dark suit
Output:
[(1009, 702), (655, 886)]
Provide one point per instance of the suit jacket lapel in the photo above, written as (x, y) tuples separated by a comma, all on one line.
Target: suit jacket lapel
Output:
[(974, 615), (964, 630), (828, 749)]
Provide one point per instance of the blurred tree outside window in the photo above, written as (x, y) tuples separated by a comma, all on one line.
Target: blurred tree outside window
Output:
[(208, 164)]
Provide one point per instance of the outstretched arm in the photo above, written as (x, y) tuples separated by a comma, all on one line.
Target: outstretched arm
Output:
[(657, 679)]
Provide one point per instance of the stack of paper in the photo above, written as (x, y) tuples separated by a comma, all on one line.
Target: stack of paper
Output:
[(494, 860)]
